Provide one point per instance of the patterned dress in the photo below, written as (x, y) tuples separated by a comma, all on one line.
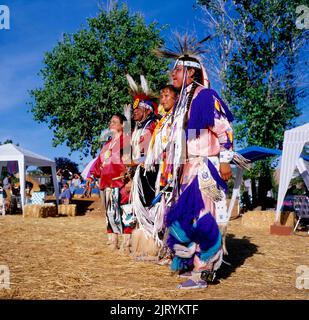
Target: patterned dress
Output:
[(108, 166), (194, 235)]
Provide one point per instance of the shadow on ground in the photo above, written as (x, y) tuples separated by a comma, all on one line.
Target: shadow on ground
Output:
[(239, 249)]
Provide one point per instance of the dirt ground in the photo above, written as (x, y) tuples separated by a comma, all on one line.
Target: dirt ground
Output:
[(68, 258)]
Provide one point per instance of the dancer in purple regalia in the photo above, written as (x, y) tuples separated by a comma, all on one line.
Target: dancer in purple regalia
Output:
[(200, 151)]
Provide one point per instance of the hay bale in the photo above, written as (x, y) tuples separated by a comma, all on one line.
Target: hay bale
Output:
[(40, 210), (264, 219), (143, 248), (67, 210)]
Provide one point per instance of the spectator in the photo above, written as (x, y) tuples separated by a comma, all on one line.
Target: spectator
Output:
[(75, 183), (59, 179), (15, 190), (7, 182), (65, 194), (90, 183)]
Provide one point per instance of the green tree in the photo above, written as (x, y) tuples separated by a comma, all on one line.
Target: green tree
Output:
[(219, 17), (262, 82), (261, 74), (84, 76), (7, 141), (65, 163), (263, 85)]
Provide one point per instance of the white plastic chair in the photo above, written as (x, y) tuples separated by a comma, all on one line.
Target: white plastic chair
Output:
[(38, 197)]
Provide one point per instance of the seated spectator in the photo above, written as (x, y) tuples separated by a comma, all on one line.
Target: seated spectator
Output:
[(65, 194)]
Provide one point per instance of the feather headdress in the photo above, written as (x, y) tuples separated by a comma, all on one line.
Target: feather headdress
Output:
[(188, 53), (142, 95)]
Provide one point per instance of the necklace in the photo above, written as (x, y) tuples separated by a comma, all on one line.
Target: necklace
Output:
[(108, 152)]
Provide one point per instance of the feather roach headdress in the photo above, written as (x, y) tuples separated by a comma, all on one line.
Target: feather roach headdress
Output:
[(142, 95), (188, 53)]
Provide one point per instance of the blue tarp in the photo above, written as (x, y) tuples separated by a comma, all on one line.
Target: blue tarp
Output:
[(255, 153)]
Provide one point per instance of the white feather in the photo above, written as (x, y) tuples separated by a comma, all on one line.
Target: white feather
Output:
[(127, 111), (132, 83), (147, 218), (144, 85)]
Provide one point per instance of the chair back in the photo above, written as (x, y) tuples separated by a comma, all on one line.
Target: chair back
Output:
[(301, 206), (38, 197)]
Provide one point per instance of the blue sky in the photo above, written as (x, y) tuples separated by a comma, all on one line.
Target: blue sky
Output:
[(35, 27)]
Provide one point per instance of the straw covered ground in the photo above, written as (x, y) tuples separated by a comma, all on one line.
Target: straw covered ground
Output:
[(67, 258)]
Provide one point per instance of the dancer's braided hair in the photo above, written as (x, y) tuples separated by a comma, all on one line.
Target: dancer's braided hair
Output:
[(198, 76)]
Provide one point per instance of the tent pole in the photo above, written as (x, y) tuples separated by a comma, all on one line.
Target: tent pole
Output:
[(236, 189), (55, 183), (21, 169)]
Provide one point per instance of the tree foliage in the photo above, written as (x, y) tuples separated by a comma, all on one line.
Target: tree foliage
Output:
[(84, 76), (65, 163), (219, 17), (7, 141), (259, 47), (263, 82)]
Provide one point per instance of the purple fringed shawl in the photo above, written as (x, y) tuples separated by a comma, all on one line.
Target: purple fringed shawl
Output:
[(206, 232), (188, 206), (186, 212), (202, 113)]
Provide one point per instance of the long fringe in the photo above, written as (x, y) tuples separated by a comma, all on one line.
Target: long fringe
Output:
[(241, 161), (148, 219)]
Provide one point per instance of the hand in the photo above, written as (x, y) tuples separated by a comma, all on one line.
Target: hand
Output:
[(225, 171)]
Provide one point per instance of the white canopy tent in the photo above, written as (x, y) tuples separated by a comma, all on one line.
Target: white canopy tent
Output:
[(293, 144), (25, 158)]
